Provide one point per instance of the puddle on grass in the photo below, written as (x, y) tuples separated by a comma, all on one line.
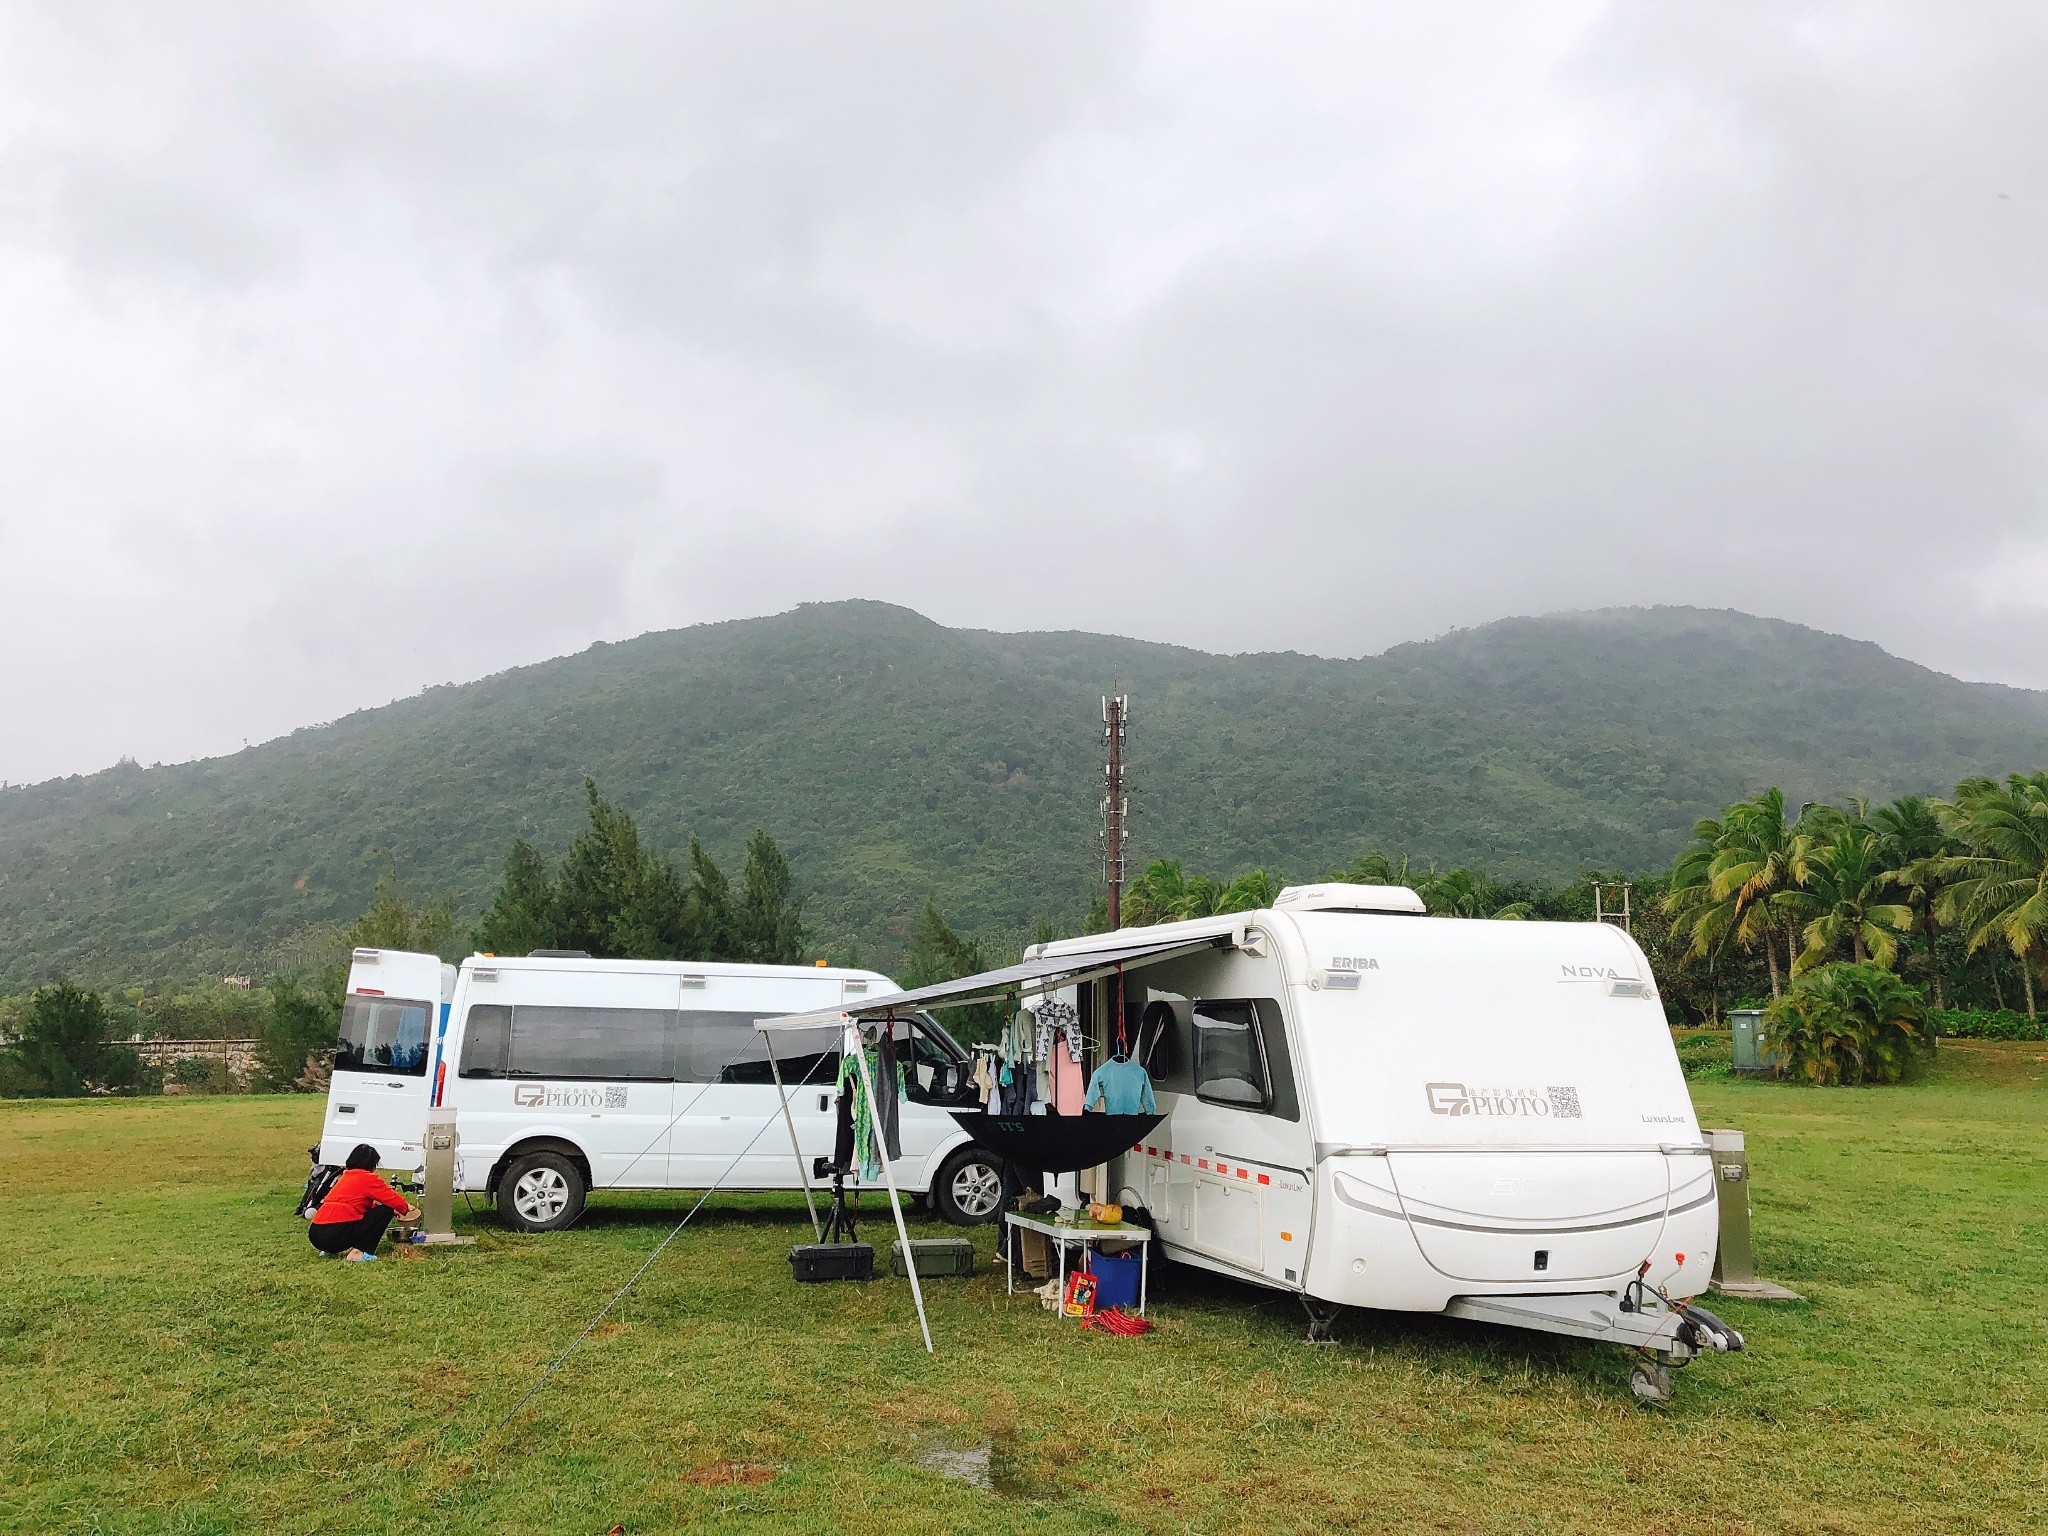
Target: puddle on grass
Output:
[(990, 1466)]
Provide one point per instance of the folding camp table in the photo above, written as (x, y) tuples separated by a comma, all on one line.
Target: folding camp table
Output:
[(1083, 1232)]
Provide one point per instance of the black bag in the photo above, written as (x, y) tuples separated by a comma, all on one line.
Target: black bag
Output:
[(318, 1183)]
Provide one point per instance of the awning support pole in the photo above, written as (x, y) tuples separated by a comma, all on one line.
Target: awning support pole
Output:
[(889, 1176), (795, 1147)]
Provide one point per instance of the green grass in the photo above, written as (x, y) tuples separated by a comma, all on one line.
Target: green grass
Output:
[(174, 1359)]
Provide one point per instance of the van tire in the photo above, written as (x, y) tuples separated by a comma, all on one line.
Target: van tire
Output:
[(541, 1192), (969, 1189)]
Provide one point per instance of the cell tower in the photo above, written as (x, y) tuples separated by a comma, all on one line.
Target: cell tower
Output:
[(1116, 803)]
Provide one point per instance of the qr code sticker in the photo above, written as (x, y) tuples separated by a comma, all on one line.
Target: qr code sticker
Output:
[(615, 1098), (1564, 1104)]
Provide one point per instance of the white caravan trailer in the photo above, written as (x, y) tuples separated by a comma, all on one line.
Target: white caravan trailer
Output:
[(1373, 1108), (570, 1074)]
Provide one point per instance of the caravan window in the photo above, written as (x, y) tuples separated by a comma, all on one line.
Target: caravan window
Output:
[(1230, 1069), (382, 1034)]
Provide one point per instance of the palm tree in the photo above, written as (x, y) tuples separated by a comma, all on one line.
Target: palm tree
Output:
[(1844, 877), (1167, 893), (1249, 892), (1156, 895), (1727, 884), (1378, 869), (1913, 844), (1466, 893), (1998, 888)]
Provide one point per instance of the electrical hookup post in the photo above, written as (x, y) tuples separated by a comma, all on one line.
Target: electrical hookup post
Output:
[(437, 1182)]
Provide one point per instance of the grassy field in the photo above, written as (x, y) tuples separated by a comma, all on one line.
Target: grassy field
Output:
[(174, 1359)]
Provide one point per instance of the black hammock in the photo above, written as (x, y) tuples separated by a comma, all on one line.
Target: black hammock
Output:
[(1056, 1143)]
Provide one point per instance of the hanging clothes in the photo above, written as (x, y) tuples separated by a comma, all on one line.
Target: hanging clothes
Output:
[(1122, 1087), (888, 1094), (1054, 1017), (865, 1157), (1068, 1086)]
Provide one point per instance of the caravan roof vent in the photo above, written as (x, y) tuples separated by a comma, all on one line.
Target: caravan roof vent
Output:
[(1336, 896)]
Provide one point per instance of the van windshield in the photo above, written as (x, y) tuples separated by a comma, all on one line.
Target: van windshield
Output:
[(383, 1034)]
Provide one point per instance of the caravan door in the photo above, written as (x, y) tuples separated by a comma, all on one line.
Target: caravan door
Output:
[(1237, 1142)]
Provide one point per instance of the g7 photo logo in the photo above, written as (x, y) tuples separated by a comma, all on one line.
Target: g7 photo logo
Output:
[(1552, 1103)]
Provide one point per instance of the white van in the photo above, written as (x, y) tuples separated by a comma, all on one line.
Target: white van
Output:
[(570, 1074)]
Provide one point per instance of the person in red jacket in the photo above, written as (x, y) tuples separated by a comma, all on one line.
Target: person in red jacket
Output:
[(352, 1219)]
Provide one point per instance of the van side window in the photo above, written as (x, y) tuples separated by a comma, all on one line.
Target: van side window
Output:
[(714, 1047), (1230, 1069), (617, 1044), (487, 1041)]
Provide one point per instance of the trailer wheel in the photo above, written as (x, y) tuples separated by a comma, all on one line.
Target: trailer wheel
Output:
[(541, 1192), (1651, 1384), (969, 1189)]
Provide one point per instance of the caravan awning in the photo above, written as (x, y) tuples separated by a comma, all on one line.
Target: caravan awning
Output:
[(1027, 978)]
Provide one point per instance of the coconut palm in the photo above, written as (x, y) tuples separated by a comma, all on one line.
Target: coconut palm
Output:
[(1844, 880), (1916, 848), (1998, 891), (1249, 892), (1156, 895), (1378, 869), (1466, 893), (1726, 887), (1167, 893)]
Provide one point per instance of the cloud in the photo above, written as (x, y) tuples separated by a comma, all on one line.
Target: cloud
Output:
[(354, 351)]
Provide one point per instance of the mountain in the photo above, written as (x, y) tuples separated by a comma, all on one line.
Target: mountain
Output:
[(894, 757)]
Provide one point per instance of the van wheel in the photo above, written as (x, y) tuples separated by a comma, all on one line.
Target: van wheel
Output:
[(969, 1189), (541, 1192)]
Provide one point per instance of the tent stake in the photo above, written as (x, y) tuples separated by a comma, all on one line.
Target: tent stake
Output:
[(801, 1171), (860, 1057)]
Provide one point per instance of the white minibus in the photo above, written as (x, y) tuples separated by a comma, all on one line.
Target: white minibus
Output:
[(569, 1074)]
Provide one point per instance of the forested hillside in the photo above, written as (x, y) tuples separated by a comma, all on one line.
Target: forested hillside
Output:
[(893, 758)]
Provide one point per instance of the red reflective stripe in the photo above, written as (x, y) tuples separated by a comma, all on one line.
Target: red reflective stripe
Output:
[(1242, 1174), (1204, 1162), (1265, 1178), (370, 991)]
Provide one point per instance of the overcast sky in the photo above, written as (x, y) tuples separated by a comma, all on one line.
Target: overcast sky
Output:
[(347, 349)]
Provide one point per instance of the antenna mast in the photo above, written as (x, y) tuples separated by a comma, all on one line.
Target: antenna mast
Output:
[(1116, 803), (1620, 916)]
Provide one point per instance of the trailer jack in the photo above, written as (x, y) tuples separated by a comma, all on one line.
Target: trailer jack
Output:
[(1322, 1320)]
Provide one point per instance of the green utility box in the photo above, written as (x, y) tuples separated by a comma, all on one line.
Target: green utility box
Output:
[(1746, 1032)]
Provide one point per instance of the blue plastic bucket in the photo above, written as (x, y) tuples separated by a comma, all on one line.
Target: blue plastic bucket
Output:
[(1116, 1280)]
